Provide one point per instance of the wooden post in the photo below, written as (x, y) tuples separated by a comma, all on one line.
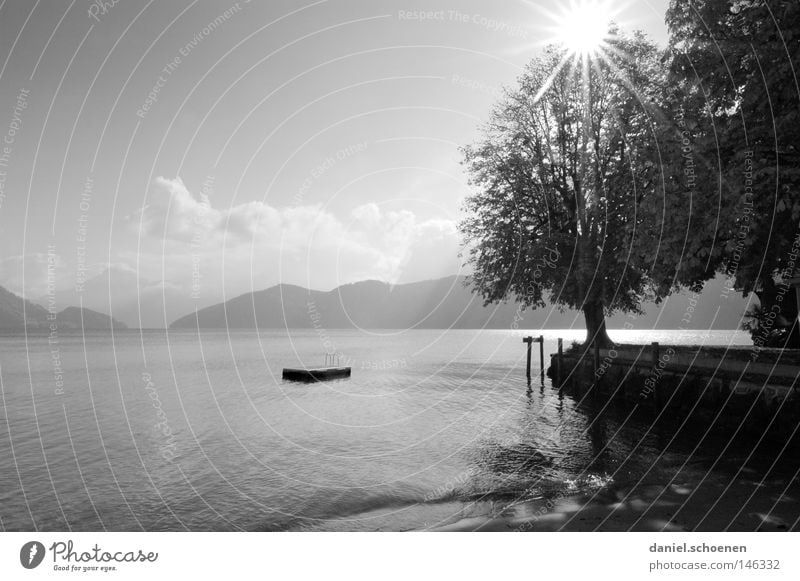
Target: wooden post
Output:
[(657, 384), (529, 341), (596, 357), (541, 357), (596, 361), (559, 361)]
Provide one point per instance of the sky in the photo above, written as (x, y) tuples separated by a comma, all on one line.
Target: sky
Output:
[(221, 147)]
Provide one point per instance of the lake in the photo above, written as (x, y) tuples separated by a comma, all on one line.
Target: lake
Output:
[(171, 431)]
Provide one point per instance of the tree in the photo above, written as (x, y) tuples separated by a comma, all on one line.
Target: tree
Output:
[(735, 68), (567, 189)]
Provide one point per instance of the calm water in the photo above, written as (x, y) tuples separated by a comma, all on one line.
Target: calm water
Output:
[(179, 431)]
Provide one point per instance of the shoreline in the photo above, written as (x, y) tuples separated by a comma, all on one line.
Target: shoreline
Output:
[(746, 506)]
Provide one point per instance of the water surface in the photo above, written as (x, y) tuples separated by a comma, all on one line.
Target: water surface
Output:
[(179, 430)]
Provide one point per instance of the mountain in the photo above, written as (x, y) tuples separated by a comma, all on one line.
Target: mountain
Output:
[(440, 304), (15, 311), (122, 294), (17, 314), (77, 318)]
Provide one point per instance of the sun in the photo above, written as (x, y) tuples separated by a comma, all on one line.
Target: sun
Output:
[(583, 27)]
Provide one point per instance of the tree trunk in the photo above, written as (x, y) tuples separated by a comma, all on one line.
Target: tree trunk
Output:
[(777, 331), (596, 325), (793, 305)]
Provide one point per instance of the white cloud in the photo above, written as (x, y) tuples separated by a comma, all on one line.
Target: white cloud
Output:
[(174, 213), (254, 245)]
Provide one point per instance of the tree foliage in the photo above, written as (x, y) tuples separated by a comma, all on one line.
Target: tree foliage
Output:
[(734, 70), (569, 194)]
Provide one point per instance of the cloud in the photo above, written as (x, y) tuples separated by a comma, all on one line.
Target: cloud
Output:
[(254, 245), (174, 213), (30, 274)]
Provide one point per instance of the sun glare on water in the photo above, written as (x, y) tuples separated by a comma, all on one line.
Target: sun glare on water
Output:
[(583, 27)]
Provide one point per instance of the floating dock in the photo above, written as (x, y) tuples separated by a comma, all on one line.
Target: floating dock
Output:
[(318, 374)]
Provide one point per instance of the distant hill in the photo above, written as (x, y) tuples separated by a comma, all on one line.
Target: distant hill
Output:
[(438, 304), (74, 317), (128, 298), (15, 311), (17, 314)]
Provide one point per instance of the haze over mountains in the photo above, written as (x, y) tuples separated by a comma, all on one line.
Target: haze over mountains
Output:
[(137, 302), (436, 304)]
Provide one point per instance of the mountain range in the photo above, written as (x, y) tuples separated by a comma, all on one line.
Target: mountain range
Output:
[(18, 314), (433, 304), (129, 298), (442, 303)]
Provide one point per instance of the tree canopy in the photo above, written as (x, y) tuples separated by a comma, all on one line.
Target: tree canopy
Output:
[(569, 199), (733, 70)]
